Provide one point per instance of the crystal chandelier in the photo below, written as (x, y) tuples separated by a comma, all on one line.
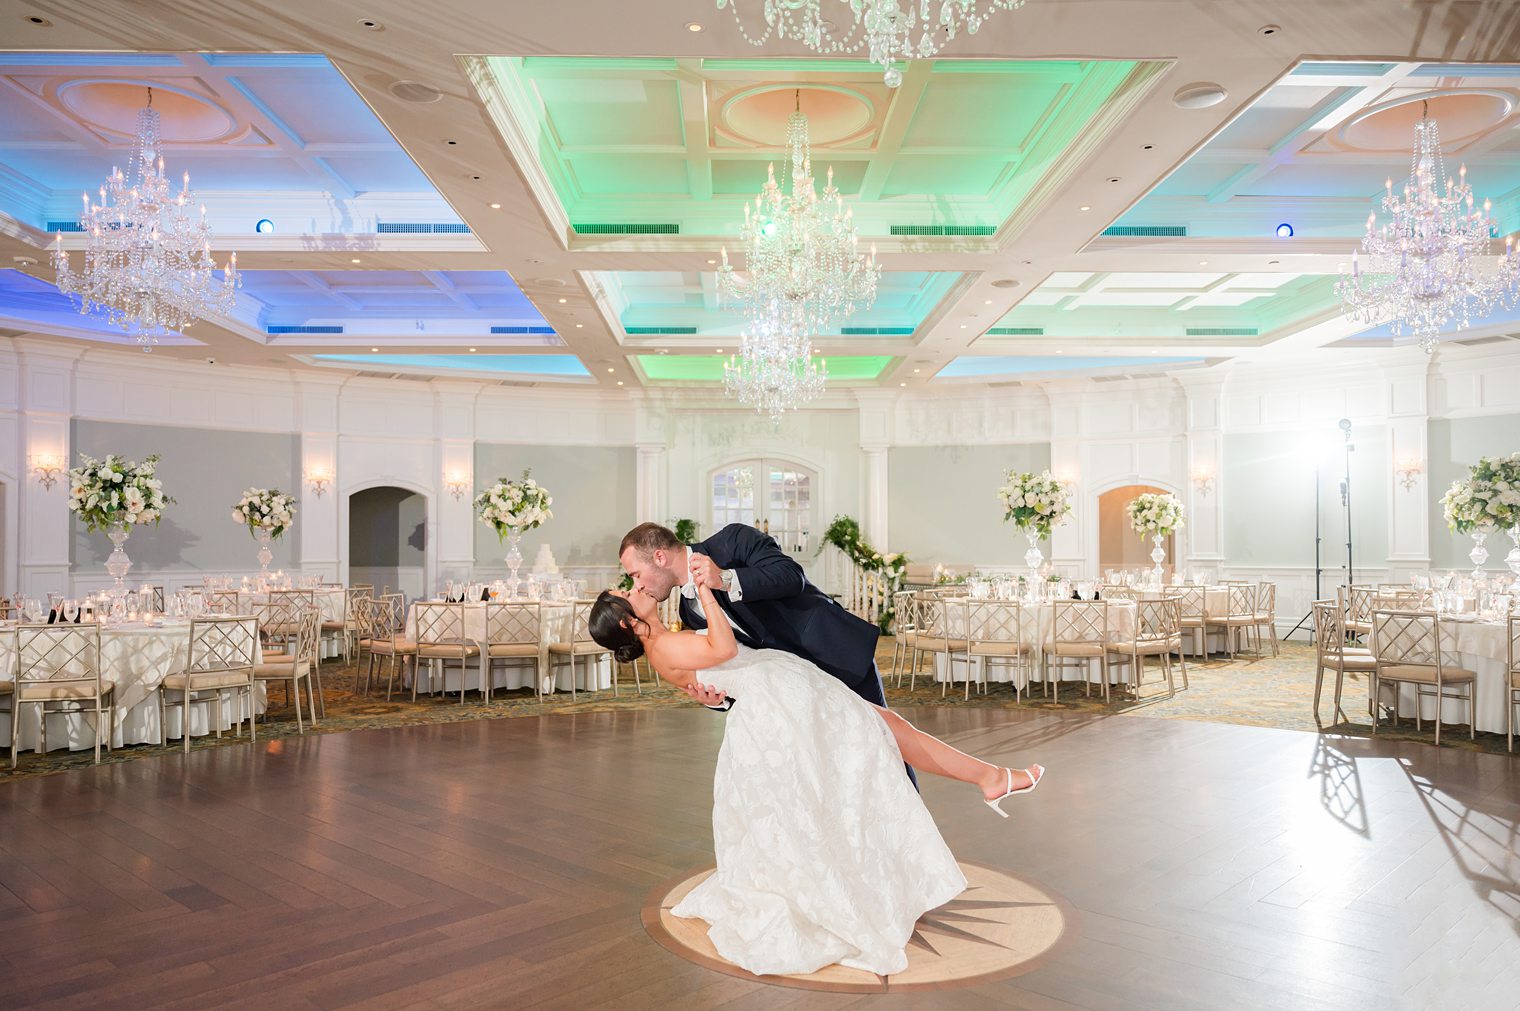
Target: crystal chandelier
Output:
[(147, 265), (774, 376), (1425, 266), (804, 269), (884, 28)]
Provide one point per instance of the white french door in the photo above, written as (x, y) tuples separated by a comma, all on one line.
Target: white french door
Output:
[(775, 496)]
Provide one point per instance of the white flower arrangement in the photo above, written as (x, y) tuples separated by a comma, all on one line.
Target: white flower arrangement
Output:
[(1155, 513), (113, 492), (1035, 503), (512, 507), (265, 509), (1495, 490)]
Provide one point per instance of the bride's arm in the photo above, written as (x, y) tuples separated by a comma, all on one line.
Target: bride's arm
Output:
[(687, 651)]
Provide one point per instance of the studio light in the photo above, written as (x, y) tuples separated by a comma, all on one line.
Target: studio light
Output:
[(264, 227), (1285, 231)]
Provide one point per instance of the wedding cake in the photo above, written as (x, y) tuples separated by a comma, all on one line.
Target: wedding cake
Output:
[(544, 565)]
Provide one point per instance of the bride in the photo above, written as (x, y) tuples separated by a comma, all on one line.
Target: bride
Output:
[(825, 852)]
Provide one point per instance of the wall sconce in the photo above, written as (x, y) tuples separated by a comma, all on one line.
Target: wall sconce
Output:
[(1409, 472), (456, 484), (1203, 480), (317, 479), (46, 467)]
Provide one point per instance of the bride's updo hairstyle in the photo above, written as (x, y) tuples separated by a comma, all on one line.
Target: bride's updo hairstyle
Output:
[(612, 622)]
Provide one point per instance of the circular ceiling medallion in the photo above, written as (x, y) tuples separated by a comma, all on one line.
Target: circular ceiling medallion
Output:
[(1005, 282), (835, 114), (1463, 114), (415, 91), (112, 107), (1199, 95), (1002, 925)]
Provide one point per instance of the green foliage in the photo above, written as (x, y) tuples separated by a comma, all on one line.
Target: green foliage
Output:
[(844, 534), (686, 531)]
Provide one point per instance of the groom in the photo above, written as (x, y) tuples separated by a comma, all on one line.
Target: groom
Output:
[(767, 598)]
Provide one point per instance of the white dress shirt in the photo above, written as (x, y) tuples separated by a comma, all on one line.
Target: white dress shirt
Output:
[(689, 591)]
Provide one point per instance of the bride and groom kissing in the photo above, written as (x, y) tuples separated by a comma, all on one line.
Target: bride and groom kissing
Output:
[(825, 852)]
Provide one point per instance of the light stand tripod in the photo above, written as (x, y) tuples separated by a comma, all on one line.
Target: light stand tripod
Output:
[(1345, 427)]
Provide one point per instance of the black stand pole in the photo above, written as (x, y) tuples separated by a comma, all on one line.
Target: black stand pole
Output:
[(1346, 501), (1318, 539)]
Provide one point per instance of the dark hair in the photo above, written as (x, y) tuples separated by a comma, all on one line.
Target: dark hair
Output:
[(611, 622), (649, 538)]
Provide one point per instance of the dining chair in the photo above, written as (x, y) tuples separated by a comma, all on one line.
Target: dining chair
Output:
[(1157, 632), (1333, 653), (219, 658), (1266, 613), (997, 636), (1407, 649), (1079, 633), (904, 630), (1193, 619), (578, 645), (514, 637), (59, 666), (441, 638), (1512, 681), (1240, 615), (388, 642), (942, 632), (346, 628), (1356, 604), (296, 666)]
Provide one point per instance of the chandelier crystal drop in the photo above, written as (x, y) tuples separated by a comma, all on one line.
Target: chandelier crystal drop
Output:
[(1425, 265), (774, 376), (803, 267), (147, 264), (889, 30)]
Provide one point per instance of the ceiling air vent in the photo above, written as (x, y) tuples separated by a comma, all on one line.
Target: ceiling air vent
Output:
[(1148, 231), (1017, 331), (943, 230), (659, 228), (1222, 331), (422, 227), (640, 331), (876, 331), (546, 330), (1477, 342), (302, 329), (64, 226)]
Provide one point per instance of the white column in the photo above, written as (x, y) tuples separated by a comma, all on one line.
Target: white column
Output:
[(873, 522), (1408, 425), (1070, 549), (651, 440), (317, 526), (45, 400), (1202, 540)]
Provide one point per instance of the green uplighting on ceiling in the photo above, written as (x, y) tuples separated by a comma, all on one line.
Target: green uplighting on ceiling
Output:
[(709, 368)]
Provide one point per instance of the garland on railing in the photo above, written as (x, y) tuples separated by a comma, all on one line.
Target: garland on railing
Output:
[(844, 534)]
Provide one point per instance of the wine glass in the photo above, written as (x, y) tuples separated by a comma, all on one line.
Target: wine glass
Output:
[(70, 609)]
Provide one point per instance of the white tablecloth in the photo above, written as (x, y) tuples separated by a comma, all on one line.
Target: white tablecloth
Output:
[(1037, 620), (135, 658), (555, 627), (330, 601), (1478, 646)]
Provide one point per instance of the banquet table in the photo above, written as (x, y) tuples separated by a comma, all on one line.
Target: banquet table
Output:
[(1037, 620), (1478, 646), (135, 657), (554, 627), (331, 601)]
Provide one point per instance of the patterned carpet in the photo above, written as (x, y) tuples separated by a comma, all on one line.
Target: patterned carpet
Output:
[(1254, 691)]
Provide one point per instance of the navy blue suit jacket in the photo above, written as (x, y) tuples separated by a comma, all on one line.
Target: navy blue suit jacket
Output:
[(781, 610)]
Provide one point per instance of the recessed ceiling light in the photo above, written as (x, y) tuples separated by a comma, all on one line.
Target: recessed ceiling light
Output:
[(692, 26), (563, 301), (264, 226), (987, 302), (374, 349), (718, 350), (1113, 179), (1199, 95), (963, 326), (354, 260), (611, 369), (496, 207), (918, 370), (902, 384), (371, 24), (451, 143), (1273, 263), (1084, 207), (711, 262), (579, 326), (1268, 29), (1147, 147), (1060, 352), (1285, 231), (1203, 263), (472, 349)]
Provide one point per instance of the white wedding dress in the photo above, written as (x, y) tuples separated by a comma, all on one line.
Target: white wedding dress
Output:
[(825, 851)]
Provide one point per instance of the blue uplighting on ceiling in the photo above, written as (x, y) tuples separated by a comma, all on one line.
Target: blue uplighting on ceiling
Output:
[(969, 366), (521, 365), (1449, 332), (29, 300), (297, 297)]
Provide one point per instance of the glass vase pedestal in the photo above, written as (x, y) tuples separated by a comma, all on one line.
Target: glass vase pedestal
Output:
[(1479, 554), (1033, 558), (514, 562), (265, 555), (1158, 555), (118, 564), (1513, 559)]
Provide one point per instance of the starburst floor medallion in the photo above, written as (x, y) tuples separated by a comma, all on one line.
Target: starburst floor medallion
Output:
[(1003, 925)]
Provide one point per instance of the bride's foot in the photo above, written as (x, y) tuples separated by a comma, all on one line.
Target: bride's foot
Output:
[(1004, 783)]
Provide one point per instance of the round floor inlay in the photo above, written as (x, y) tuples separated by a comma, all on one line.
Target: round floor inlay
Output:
[(1002, 925)]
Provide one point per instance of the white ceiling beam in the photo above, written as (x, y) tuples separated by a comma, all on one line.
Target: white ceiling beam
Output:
[(691, 94), (894, 128)]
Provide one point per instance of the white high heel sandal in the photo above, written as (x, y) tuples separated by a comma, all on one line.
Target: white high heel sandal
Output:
[(1034, 781)]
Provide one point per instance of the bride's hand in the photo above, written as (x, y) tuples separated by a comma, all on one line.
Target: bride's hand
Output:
[(707, 695)]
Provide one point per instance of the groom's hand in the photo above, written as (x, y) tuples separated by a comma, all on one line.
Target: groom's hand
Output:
[(707, 695), (706, 572)]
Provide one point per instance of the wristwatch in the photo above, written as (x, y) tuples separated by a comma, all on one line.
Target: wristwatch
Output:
[(727, 576)]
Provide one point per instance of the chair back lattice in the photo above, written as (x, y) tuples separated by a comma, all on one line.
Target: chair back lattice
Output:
[(1117, 592), (580, 620), (1329, 636), (904, 612), (364, 617), (1359, 603), (302, 598), (278, 617), (1158, 619), (935, 613), (351, 598), (223, 644), (308, 638), (1078, 621), (1406, 637), (387, 615), (995, 622), (1402, 599), (223, 602), (515, 624), (440, 624), (1242, 600), (1266, 598), (60, 656), (1191, 602)]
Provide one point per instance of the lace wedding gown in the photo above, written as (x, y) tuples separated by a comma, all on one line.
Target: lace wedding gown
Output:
[(825, 851)]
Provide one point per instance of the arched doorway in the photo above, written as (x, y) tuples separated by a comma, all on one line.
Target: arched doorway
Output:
[(1119, 547), (771, 494), (387, 539)]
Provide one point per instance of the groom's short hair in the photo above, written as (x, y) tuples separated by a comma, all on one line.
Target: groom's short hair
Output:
[(647, 538)]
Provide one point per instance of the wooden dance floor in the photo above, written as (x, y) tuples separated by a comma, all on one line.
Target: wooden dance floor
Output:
[(506, 863)]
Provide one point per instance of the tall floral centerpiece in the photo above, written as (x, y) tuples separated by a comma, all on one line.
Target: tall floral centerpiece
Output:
[(1496, 480), (511, 507), (267, 513), (1465, 506), (1036, 504), (1158, 516), (115, 495)]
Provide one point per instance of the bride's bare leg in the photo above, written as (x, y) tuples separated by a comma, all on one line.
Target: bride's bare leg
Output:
[(929, 753)]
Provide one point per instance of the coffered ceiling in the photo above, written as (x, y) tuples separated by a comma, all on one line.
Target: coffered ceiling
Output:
[(540, 195)]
